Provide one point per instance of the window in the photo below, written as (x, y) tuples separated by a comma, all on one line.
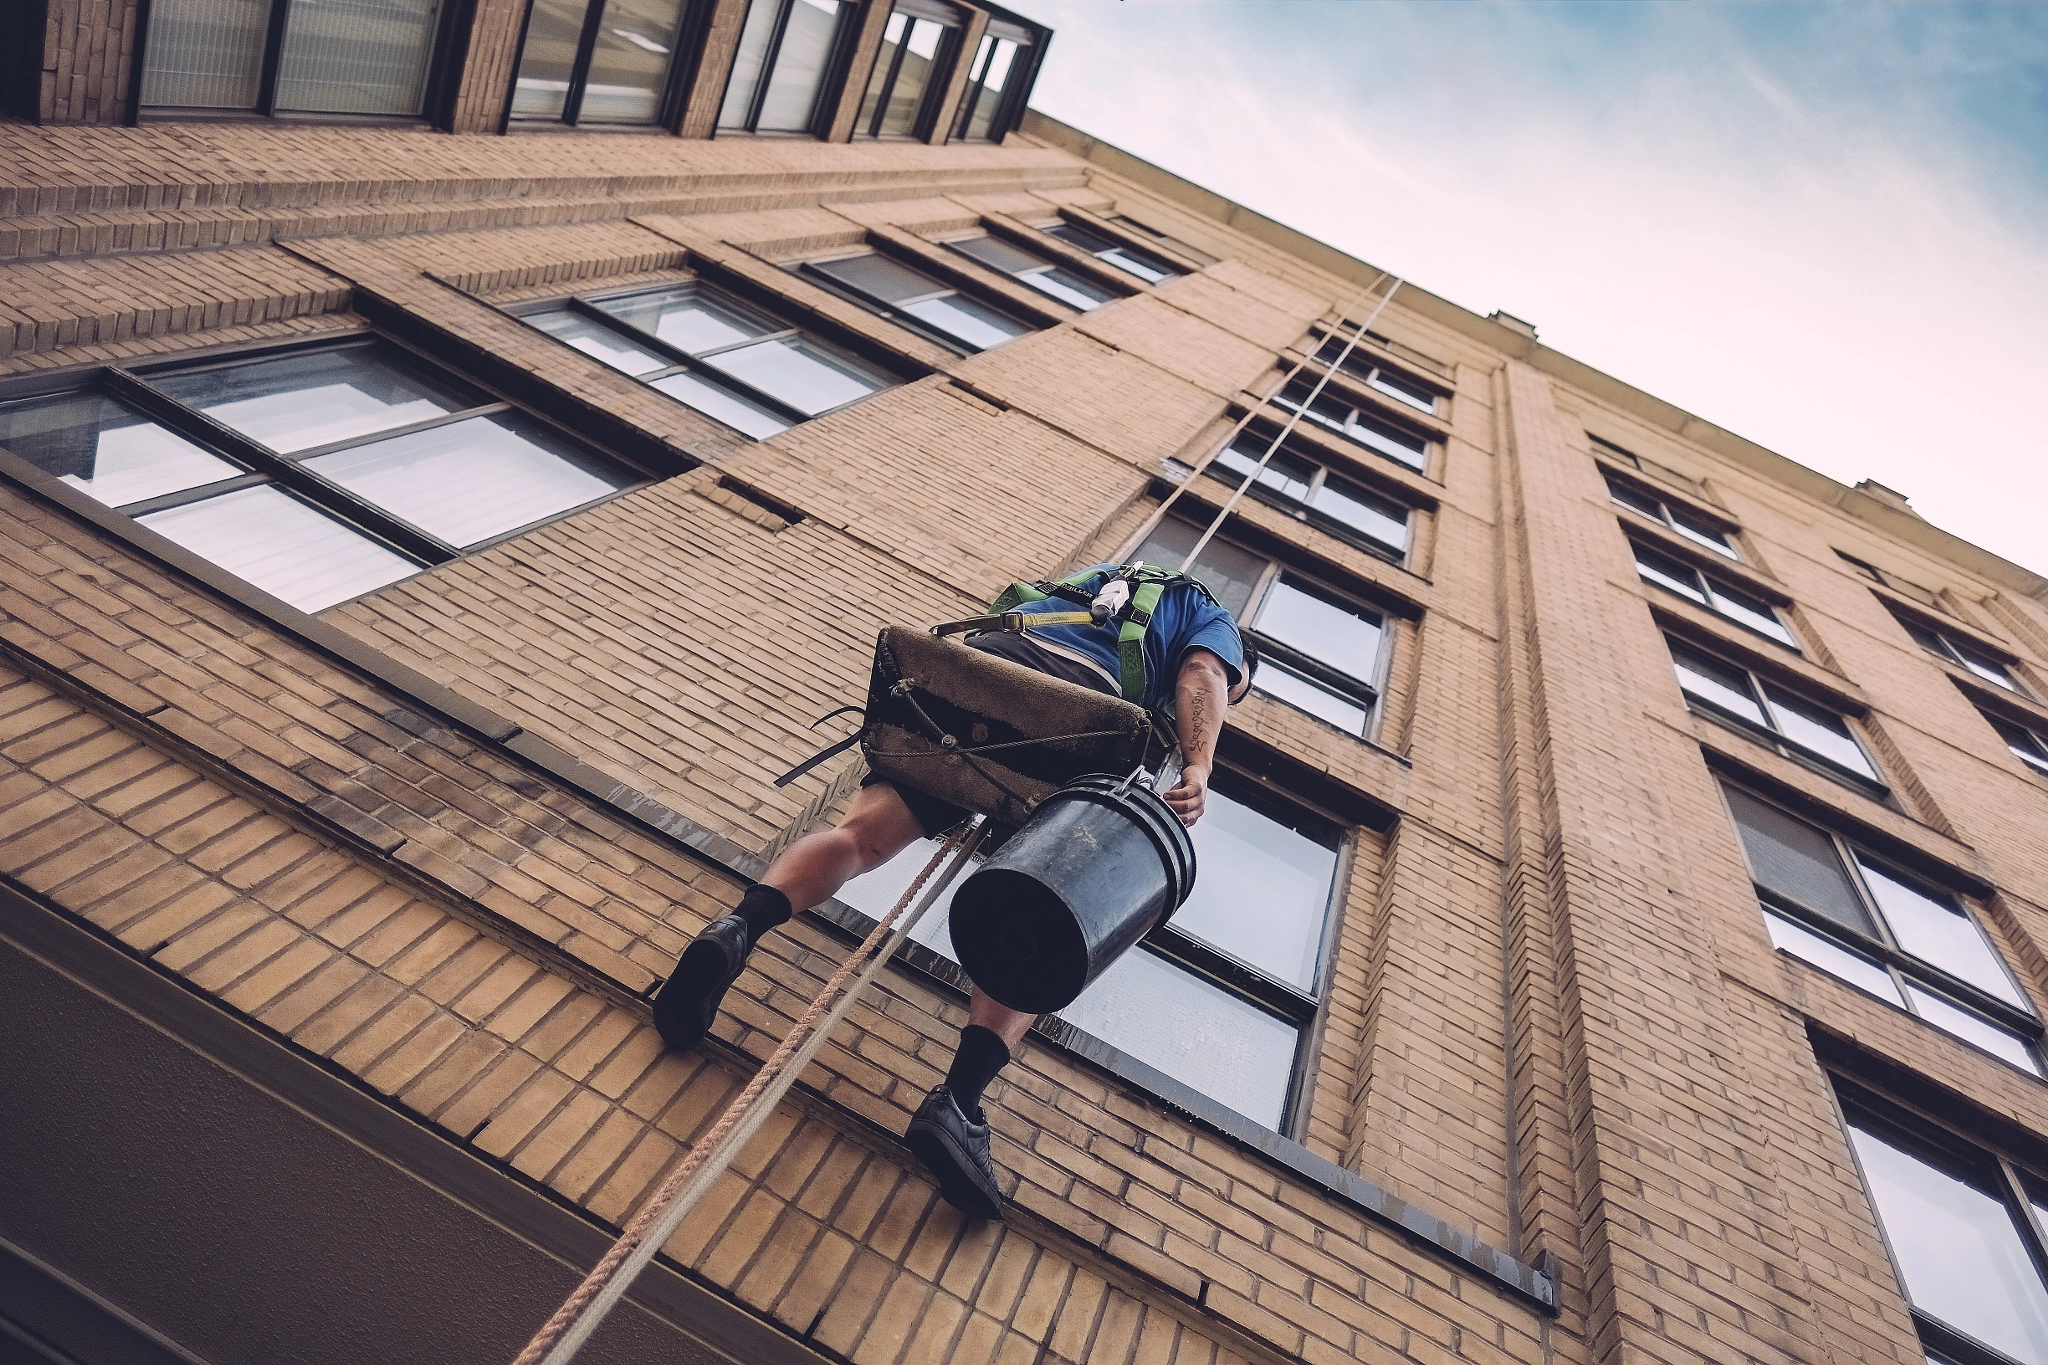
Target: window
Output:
[(1926, 597), (1695, 528), (990, 106), (779, 70), (1665, 472), (1319, 652), (1034, 270), (1395, 385), (596, 61), (315, 474), (1311, 492), (1331, 409), (1128, 259), (901, 94), (917, 301), (297, 56), (1744, 610), (1218, 999), (2026, 742), (1839, 908), (1173, 244), (713, 353), (1965, 1230), (1797, 728), (1951, 648)]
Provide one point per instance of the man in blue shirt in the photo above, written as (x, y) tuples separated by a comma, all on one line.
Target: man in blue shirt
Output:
[(1195, 660)]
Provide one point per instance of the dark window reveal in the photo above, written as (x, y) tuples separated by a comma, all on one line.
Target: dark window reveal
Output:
[(317, 475)]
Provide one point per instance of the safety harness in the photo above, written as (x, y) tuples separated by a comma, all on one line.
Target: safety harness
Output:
[(1127, 600)]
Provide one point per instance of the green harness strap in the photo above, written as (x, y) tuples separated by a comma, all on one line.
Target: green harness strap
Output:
[(1149, 585)]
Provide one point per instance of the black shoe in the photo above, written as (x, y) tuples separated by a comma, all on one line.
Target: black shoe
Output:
[(954, 1148), (688, 1001)]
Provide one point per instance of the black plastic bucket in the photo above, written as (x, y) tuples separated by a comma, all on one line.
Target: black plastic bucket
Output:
[(1089, 874)]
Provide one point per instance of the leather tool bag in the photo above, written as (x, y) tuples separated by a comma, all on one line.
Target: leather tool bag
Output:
[(987, 734)]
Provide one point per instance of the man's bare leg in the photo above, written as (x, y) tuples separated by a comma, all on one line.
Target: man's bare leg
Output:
[(876, 828)]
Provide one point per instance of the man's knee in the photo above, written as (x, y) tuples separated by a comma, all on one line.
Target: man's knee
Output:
[(879, 825)]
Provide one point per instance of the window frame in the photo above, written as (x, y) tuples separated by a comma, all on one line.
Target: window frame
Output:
[(1607, 450), (683, 41), (1729, 547), (1023, 71), (809, 270), (1370, 418), (1329, 344), (262, 466), (1863, 568), (1709, 583), (585, 305), (1883, 950), (830, 77), (1026, 277), (1914, 1127), (1302, 509), (2036, 734), (931, 103), (1112, 248), (1955, 651), (1763, 690)]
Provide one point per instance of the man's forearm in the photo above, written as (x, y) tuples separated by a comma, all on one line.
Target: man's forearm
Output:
[(1200, 695)]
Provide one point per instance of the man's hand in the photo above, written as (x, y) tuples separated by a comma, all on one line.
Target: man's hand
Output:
[(1191, 796)]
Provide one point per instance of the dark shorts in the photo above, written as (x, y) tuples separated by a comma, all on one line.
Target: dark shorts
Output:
[(934, 816)]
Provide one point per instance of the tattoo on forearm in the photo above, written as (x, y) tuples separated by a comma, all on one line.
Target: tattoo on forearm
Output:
[(1198, 714)]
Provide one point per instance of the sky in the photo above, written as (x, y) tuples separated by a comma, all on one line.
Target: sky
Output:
[(1823, 227)]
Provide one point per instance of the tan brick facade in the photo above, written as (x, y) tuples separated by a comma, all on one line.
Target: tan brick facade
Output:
[(1561, 1100)]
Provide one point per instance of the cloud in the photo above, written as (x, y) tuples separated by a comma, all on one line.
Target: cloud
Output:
[(1803, 223)]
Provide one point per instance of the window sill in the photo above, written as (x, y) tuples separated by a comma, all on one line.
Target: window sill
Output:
[(1803, 966)]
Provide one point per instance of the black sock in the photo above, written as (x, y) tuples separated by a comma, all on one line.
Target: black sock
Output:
[(982, 1054), (763, 908)]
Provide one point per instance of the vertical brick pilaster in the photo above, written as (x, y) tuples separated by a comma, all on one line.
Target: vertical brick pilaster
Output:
[(872, 22), (956, 76), (714, 68)]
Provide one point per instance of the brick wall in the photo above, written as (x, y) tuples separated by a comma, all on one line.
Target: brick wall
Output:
[(1554, 1030)]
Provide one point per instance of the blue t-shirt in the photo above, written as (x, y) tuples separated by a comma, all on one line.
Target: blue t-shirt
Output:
[(1185, 619)]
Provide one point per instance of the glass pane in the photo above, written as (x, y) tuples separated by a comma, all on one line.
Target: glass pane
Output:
[(104, 448), (1939, 932), (1071, 290), (470, 480), (1961, 1257), (722, 405), (1345, 638), (989, 100), (1087, 241), (1146, 268), (1205, 1038), (1985, 667), (746, 66), (1227, 571), (1261, 891), (1819, 731), (974, 73), (999, 254), (1395, 445), (1634, 501), (282, 546), (1702, 533), (629, 64), (1974, 1029), (1667, 573), (906, 97), (596, 339), (1797, 861), (1278, 680), (300, 401), (1831, 958), (205, 54), (549, 59), (1716, 684), (1384, 521), (1414, 395), (878, 79), (973, 324), (688, 318), (799, 66), (1284, 474), (804, 376), (1749, 611), (878, 275), (356, 56)]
